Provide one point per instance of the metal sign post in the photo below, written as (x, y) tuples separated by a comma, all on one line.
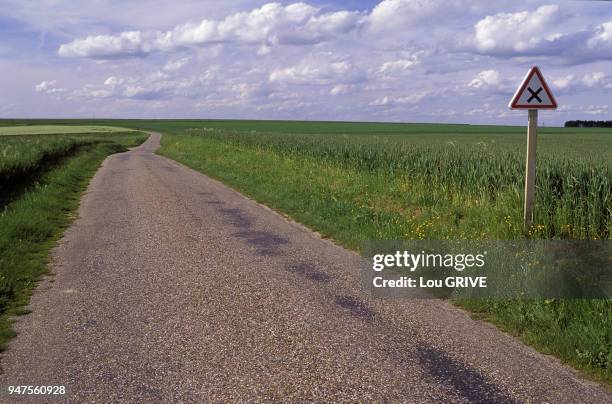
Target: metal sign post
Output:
[(532, 94)]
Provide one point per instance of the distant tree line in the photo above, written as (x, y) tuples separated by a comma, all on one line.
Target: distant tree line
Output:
[(588, 124)]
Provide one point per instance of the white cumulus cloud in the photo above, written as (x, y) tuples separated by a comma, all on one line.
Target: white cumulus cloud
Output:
[(271, 24), (573, 83), (44, 85), (597, 109), (394, 14), (485, 79), (340, 89), (126, 44), (398, 67), (540, 32), (49, 87), (174, 65), (413, 98), (515, 32), (317, 71), (602, 35), (593, 79)]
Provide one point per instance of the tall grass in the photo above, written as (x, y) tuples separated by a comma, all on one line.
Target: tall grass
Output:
[(573, 198), (44, 176), (21, 158)]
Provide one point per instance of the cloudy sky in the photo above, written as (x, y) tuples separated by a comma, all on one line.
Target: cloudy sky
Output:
[(390, 60)]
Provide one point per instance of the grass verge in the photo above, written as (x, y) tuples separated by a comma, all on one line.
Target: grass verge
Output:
[(351, 205), (31, 224)]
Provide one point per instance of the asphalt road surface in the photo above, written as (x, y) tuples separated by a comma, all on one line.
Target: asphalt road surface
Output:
[(173, 287)]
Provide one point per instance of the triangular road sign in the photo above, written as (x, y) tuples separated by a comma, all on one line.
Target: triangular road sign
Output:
[(533, 93)]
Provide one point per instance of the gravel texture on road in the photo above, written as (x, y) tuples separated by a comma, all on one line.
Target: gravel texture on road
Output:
[(170, 286)]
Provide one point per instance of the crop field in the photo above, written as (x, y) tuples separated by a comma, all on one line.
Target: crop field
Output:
[(56, 129), (574, 184), (41, 179)]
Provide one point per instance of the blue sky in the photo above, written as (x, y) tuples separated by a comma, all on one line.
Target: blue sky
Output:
[(391, 60)]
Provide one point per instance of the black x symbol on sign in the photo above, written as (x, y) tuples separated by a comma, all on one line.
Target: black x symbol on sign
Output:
[(534, 94)]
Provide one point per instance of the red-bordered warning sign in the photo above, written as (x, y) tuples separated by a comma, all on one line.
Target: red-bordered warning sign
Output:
[(533, 93)]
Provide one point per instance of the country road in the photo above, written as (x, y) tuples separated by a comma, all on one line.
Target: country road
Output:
[(171, 286)]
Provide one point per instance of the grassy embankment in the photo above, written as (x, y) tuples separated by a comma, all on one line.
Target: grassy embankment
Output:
[(429, 182), (41, 180)]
